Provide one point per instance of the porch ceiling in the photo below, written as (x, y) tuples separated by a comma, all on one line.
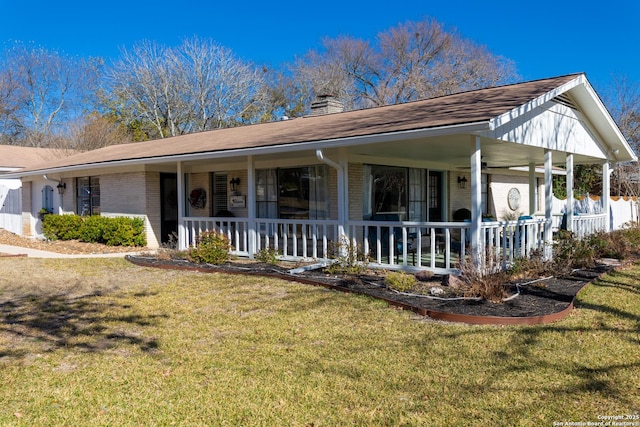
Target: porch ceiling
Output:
[(454, 151)]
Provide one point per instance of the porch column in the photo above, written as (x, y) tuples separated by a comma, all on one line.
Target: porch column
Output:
[(476, 197), (532, 188), (569, 205), (548, 204), (606, 194), (251, 205), (343, 194), (182, 235)]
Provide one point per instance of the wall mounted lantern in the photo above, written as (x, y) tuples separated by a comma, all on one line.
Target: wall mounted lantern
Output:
[(62, 186), (462, 181), (234, 182)]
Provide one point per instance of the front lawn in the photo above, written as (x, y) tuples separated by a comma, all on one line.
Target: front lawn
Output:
[(103, 342)]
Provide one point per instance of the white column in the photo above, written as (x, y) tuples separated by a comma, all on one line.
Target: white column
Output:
[(343, 194), (569, 205), (251, 205), (182, 235), (548, 203), (532, 188), (476, 197), (606, 194)]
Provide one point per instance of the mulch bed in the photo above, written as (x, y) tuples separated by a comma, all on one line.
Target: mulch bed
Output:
[(538, 301)]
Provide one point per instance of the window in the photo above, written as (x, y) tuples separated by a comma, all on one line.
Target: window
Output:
[(411, 194), (293, 193), (219, 193), (88, 196), (484, 189)]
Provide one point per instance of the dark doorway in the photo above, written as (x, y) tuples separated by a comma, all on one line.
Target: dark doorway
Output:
[(168, 207), (435, 196)]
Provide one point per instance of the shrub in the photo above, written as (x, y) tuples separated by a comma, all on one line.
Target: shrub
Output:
[(61, 227), (348, 258), (400, 281), (487, 282), (267, 255), (212, 248), (123, 231), (118, 231)]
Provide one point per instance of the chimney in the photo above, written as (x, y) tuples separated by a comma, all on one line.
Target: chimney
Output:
[(326, 104)]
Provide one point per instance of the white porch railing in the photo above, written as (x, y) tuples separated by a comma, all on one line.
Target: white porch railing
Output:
[(236, 230), (437, 246), (297, 239), (292, 239), (507, 240), (433, 245), (586, 224)]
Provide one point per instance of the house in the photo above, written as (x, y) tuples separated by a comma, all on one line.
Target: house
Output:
[(14, 158), (415, 185)]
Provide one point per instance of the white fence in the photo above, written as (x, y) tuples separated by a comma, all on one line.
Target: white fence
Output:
[(11, 205)]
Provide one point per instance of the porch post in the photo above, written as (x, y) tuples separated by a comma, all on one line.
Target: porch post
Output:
[(606, 194), (532, 188), (548, 204), (182, 235), (251, 205), (569, 205), (476, 197), (343, 194)]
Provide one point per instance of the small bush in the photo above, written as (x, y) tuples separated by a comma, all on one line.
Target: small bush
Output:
[(61, 227), (349, 259), (267, 255), (212, 248), (487, 282), (400, 281)]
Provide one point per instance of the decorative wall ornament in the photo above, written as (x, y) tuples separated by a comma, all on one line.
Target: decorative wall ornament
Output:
[(198, 198), (513, 199)]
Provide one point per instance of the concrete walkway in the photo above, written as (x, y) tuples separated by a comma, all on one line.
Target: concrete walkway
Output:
[(35, 253)]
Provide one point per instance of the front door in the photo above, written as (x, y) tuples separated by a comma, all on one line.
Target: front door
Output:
[(168, 207)]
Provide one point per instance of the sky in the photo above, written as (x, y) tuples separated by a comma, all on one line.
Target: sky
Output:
[(544, 38)]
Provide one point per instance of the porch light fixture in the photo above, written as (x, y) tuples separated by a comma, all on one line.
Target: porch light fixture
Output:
[(234, 182), (462, 181), (61, 187)]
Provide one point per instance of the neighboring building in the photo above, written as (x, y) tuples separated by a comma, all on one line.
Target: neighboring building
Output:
[(409, 183), (14, 158)]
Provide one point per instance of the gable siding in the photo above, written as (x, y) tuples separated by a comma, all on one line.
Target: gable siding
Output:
[(556, 127)]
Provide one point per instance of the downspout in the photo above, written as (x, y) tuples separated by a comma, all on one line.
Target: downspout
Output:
[(342, 202)]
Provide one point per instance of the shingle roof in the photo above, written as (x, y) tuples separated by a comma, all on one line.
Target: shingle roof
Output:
[(18, 157), (462, 108)]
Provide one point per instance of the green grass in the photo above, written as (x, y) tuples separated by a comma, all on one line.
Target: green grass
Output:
[(102, 342)]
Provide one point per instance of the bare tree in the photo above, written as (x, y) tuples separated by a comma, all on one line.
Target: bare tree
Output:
[(624, 99), (194, 87), (412, 61), (41, 89), (94, 131)]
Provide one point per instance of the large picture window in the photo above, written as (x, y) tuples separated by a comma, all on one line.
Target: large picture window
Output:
[(293, 193), (407, 193), (88, 196)]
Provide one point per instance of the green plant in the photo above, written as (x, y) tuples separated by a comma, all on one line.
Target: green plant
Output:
[(118, 231), (267, 255), (212, 248), (61, 227), (123, 231), (400, 281), (348, 258)]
